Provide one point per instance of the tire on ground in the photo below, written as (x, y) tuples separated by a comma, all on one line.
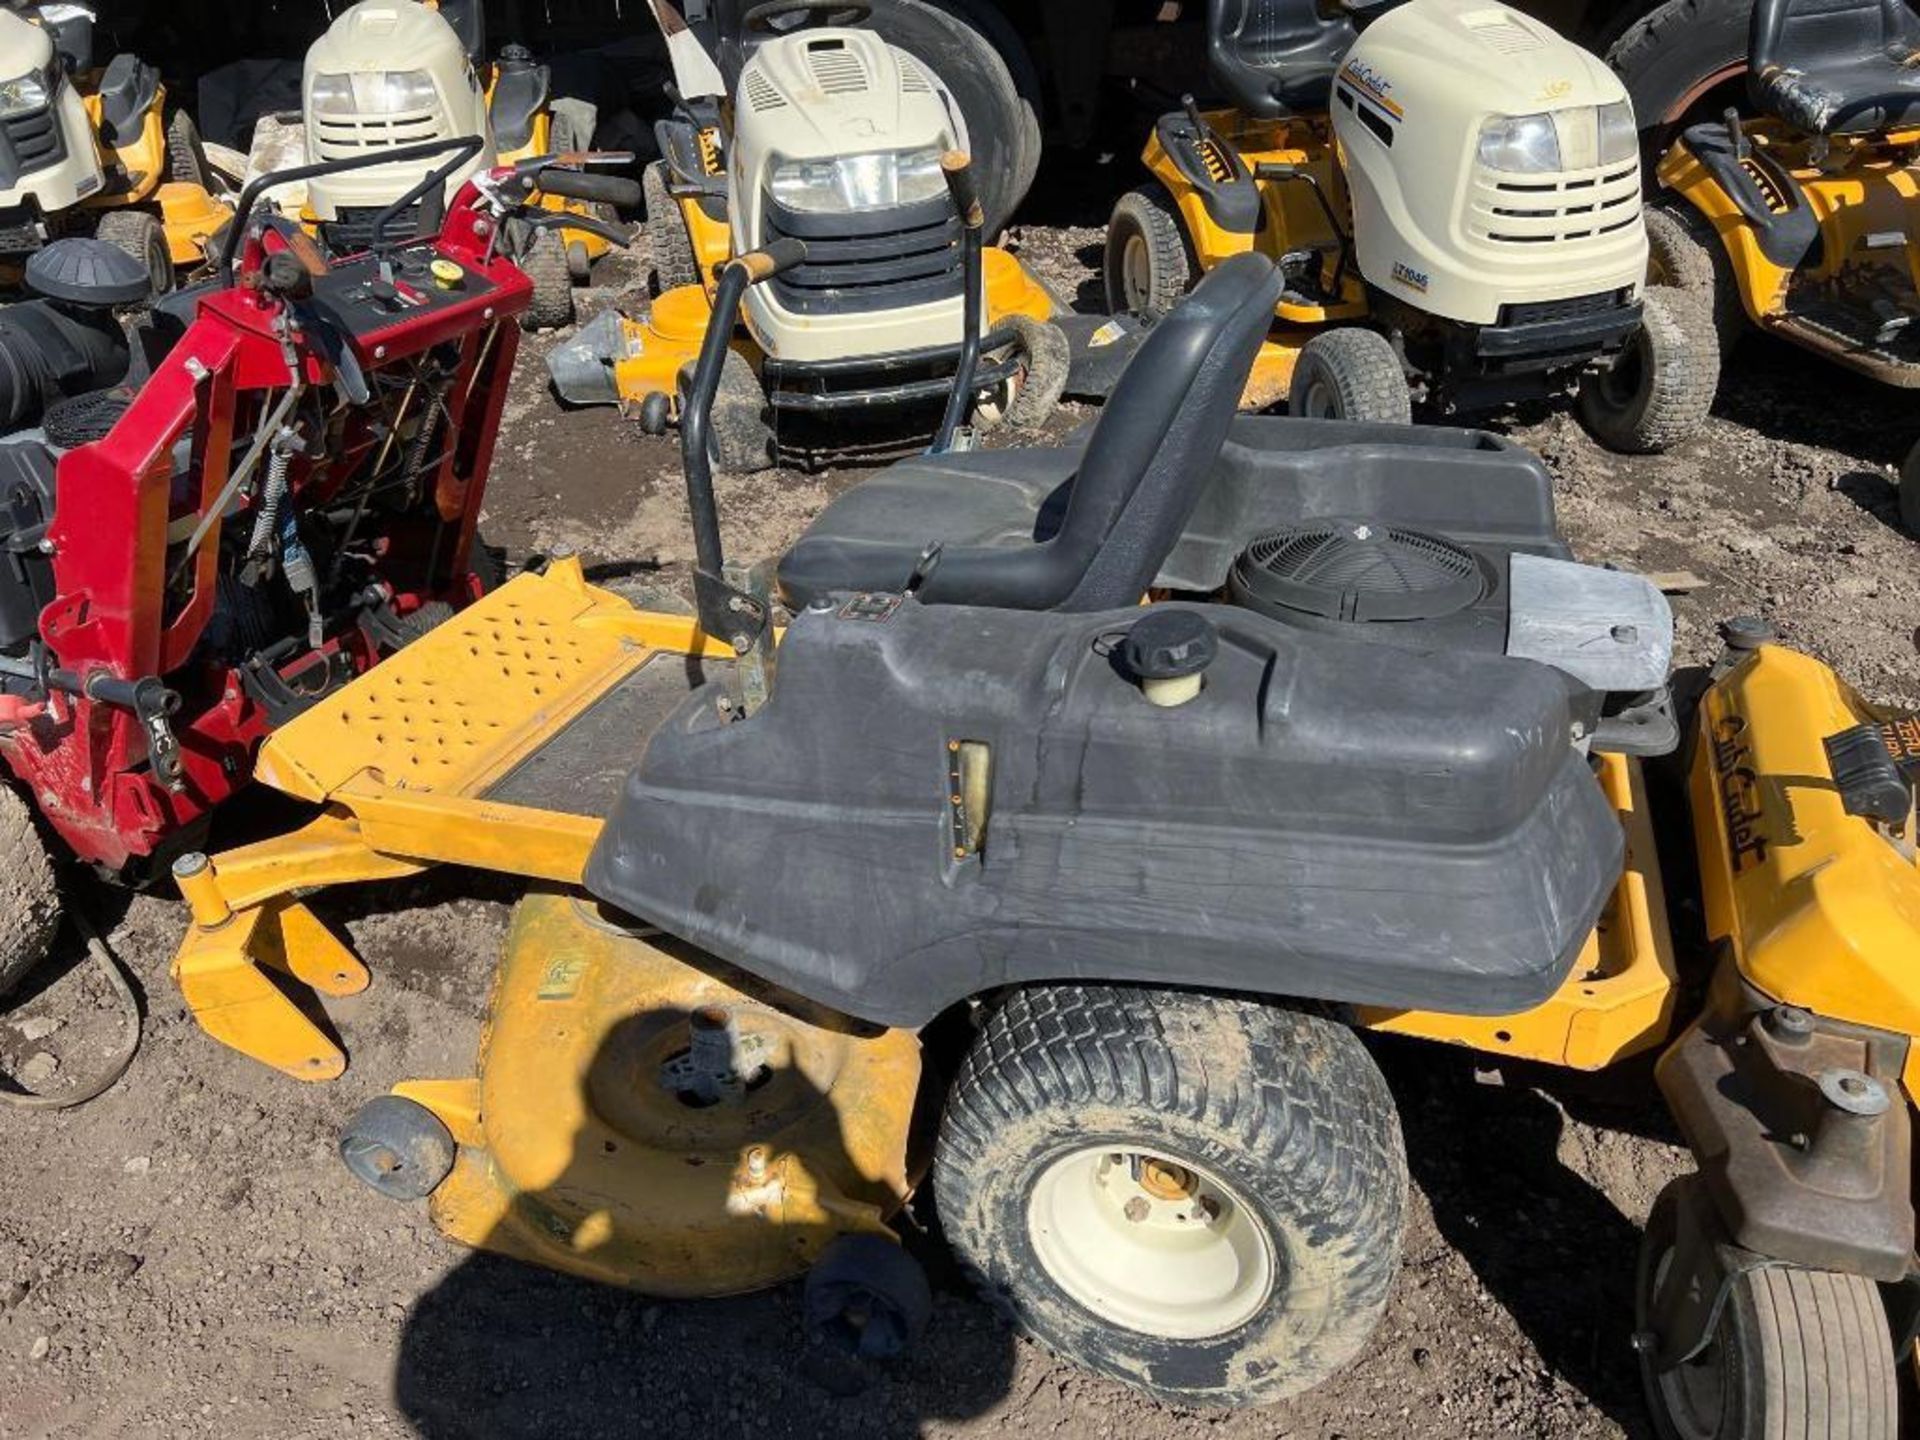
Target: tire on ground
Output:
[(950, 38), (1350, 374), (545, 264), (1046, 355), (1685, 253), (674, 263), (1795, 1352), (29, 894), (1669, 58), (740, 437), (1282, 1112), (1147, 266), (1659, 389), (142, 236)]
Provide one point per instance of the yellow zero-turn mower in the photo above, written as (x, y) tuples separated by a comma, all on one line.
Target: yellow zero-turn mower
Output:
[(1074, 881), (86, 149), (1806, 221), (357, 96), (1453, 192), (833, 137)]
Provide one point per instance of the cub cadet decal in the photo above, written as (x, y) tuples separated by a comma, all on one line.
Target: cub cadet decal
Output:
[(561, 979), (1739, 792), (1410, 277), (1371, 83), (1555, 89)]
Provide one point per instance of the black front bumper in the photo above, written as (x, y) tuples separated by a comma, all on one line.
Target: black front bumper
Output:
[(865, 382), (1540, 336)]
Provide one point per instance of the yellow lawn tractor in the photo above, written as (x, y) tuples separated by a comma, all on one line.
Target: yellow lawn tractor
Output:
[(980, 876), (1805, 222), (87, 149), (1453, 191), (833, 137)]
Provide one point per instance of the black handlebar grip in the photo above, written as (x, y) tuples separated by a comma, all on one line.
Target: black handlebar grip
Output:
[(615, 190), (771, 260), (957, 166)]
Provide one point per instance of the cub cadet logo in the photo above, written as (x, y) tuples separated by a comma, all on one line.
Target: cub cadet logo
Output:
[(1410, 277), (1739, 797), (1372, 84), (1554, 89)]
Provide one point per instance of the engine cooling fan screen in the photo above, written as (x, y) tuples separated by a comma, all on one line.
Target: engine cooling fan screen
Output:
[(1356, 570)]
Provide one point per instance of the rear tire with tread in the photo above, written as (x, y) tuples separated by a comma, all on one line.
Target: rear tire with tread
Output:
[(674, 263), (1660, 388), (29, 891), (143, 237), (545, 264), (1283, 1108), (1145, 234), (1666, 56), (1350, 374)]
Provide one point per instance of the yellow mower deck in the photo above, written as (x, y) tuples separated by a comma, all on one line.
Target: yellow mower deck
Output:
[(497, 741)]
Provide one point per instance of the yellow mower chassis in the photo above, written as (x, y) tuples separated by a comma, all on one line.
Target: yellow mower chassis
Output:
[(1291, 221)]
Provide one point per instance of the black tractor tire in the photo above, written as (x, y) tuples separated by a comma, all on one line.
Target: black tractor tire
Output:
[(1797, 1354), (1669, 60), (141, 235), (29, 892), (1148, 264), (1686, 254), (1280, 1135), (544, 262), (1910, 491), (740, 438), (186, 155), (1045, 355), (1659, 389), (674, 263), (956, 43), (1350, 374)]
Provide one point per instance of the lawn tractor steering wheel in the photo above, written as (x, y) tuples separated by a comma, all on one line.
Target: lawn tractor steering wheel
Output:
[(759, 20)]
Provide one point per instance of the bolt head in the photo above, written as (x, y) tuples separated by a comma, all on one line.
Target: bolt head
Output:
[(1137, 1209)]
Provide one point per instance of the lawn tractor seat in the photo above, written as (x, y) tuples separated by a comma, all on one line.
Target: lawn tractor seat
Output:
[(1836, 67), (1276, 57), (1134, 485)]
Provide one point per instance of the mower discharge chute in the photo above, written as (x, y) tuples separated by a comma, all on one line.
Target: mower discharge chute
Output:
[(357, 102), (86, 149), (286, 495), (1805, 222), (833, 137), (1453, 192)]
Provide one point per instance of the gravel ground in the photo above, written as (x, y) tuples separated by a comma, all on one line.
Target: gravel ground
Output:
[(186, 1256)]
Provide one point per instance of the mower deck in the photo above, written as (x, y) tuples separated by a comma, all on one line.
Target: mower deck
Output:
[(484, 743)]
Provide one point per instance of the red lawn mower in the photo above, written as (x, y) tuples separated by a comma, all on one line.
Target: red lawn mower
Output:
[(285, 494)]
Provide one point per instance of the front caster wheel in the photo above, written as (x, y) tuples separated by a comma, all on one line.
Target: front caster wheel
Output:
[(1797, 1354), (1198, 1195), (399, 1147), (867, 1296)]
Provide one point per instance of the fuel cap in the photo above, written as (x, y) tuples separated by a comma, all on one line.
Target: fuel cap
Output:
[(446, 274), (1168, 651)]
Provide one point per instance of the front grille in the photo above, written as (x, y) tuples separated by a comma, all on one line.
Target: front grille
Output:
[(35, 139), (1575, 307), (352, 231), (1554, 209), (869, 260), (340, 137)]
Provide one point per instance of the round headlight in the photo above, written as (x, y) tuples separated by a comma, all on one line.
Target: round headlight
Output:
[(1520, 143)]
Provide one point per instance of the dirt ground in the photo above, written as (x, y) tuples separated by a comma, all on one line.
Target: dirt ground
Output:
[(186, 1256)]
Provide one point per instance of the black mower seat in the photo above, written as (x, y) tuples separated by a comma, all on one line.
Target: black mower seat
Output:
[(1836, 67), (1277, 57), (1134, 484)]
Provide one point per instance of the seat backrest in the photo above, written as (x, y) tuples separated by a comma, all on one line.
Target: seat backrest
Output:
[(1807, 34), (1276, 57), (1146, 463)]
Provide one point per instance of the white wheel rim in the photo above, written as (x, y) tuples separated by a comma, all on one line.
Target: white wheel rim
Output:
[(1150, 1243)]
